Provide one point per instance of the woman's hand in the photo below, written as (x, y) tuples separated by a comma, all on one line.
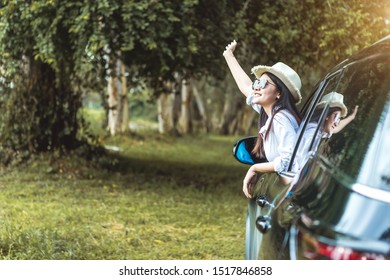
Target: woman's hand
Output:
[(355, 111), (230, 48), (343, 123), (249, 182)]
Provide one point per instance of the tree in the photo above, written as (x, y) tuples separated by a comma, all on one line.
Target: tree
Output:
[(118, 107), (174, 41), (41, 99), (53, 51), (310, 35)]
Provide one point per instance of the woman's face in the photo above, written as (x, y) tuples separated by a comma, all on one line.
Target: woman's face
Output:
[(265, 91), (332, 121)]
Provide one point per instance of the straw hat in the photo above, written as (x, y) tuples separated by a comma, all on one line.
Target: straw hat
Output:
[(286, 74), (334, 99)]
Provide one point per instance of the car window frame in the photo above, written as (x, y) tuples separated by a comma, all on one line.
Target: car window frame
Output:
[(308, 110)]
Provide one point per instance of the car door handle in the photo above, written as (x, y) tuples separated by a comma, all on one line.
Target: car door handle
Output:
[(262, 201), (263, 223)]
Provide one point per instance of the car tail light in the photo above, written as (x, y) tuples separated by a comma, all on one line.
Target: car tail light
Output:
[(318, 250)]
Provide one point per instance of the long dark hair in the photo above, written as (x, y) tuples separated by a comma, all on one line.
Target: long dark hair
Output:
[(286, 101)]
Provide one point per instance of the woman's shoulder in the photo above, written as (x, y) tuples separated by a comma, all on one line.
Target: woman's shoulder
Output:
[(284, 116)]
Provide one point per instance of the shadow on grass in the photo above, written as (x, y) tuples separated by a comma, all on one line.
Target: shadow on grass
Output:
[(202, 163), (203, 176)]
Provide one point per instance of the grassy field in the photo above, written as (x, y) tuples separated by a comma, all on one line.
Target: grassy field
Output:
[(152, 198)]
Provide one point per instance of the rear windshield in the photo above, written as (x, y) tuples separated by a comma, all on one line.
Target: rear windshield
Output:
[(362, 149)]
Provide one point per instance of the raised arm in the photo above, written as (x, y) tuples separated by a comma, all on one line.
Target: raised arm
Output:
[(243, 81), (344, 122)]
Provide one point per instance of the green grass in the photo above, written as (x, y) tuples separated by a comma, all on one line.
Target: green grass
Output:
[(157, 198)]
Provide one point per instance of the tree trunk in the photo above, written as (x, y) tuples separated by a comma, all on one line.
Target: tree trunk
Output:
[(50, 120), (124, 123), (247, 124), (201, 107), (112, 105), (232, 114), (185, 116), (117, 98), (165, 104)]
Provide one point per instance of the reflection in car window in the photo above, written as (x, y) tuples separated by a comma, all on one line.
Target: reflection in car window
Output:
[(313, 133), (359, 150), (325, 121)]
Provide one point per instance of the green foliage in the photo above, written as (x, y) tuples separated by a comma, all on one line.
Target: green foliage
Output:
[(71, 41), (42, 65), (310, 35), (175, 37), (351, 25), (53, 52)]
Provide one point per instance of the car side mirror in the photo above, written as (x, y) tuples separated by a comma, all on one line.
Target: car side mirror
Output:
[(242, 151)]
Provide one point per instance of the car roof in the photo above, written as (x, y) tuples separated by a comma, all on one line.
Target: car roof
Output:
[(380, 47)]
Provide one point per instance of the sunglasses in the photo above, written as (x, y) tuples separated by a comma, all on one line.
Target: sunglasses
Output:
[(261, 83)]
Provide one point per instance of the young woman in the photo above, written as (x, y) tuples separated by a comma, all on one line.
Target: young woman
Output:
[(333, 123), (273, 95)]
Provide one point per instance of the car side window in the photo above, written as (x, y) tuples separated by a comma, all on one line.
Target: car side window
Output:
[(359, 150), (311, 133), (356, 149)]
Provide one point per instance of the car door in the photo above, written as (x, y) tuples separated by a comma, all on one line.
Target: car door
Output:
[(340, 198), (267, 227)]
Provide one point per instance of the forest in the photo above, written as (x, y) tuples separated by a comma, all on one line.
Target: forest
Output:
[(56, 55), (118, 117)]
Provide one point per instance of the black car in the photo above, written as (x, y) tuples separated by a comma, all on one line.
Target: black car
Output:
[(337, 206)]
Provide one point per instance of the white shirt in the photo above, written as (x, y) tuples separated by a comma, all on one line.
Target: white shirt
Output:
[(307, 138), (280, 141)]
